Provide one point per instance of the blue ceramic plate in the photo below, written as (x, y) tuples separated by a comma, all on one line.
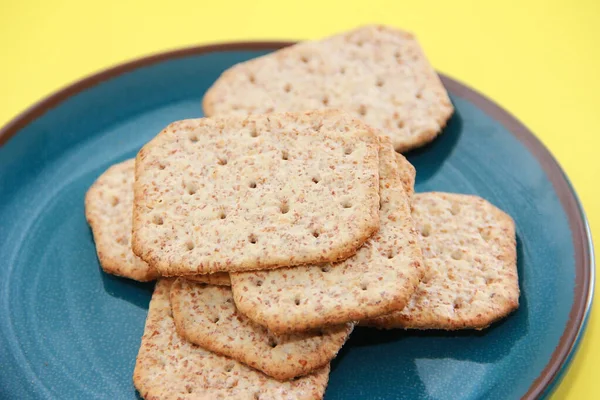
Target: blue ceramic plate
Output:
[(70, 331)]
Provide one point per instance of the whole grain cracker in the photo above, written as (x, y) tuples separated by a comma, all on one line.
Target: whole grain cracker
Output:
[(169, 367), (378, 279), (470, 256), (206, 315), (378, 73), (217, 278), (259, 192), (108, 210)]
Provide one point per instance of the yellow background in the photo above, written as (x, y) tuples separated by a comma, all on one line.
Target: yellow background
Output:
[(538, 59)]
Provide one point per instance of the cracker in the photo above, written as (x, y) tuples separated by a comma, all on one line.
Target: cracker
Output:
[(237, 194), (408, 174), (168, 367), (379, 279), (379, 74), (470, 255), (206, 315), (108, 209), (218, 278)]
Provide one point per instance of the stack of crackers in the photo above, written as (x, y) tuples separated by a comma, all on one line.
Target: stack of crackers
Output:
[(273, 231)]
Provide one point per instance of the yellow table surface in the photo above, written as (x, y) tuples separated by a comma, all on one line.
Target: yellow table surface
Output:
[(538, 59)]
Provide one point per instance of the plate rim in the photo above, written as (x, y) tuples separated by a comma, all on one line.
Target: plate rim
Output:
[(581, 235)]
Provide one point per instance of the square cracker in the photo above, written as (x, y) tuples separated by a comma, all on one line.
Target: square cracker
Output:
[(407, 175), (377, 280), (471, 265), (379, 74), (108, 210), (168, 367), (206, 316), (259, 192)]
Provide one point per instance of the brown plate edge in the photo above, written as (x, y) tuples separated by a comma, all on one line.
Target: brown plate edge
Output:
[(582, 242)]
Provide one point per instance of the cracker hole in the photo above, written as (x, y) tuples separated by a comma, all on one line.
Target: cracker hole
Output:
[(401, 124), (316, 234), (122, 241), (346, 204), (456, 254), (161, 166), (284, 208), (272, 342), (193, 138), (252, 78), (157, 220), (425, 230), (316, 179), (326, 268), (189, 389), (285, 155), (363, 286), (360, 43), (304, 59), (457, 304), (287, 88), (254, 132), (362, 110), (215, 320), (115, 201), (222, 161), (189, 245), (391, 254), (379, 82), (252, 239), (229, 301), (343, 70), (419, 95), (297, 301), (252, 185), (485, 234), (256, 396), (222, 215), (397, 54), (348, 151), (259, 283), (229, 367), (192, 188), (325, 101)]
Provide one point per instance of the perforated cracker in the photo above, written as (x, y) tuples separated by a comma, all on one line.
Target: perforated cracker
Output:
[(206, 315), (378, 279), (379, 74), (236, 194), (108, 209), (470, 253), (169, 367)]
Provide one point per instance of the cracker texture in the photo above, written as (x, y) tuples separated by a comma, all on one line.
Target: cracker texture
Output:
[(218, 278), (378, 279), (471, 276), (379, 74), (257, 192), (207, 316), (408, 174), (168, 367), (108, 210)]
